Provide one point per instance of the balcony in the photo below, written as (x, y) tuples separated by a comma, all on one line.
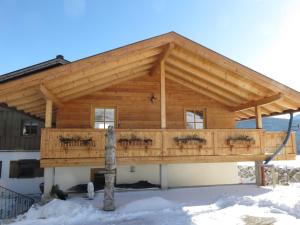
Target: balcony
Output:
[(85, 147)]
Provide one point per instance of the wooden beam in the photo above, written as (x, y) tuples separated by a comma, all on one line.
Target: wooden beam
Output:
[(107, 81), (260, 102), (162, 58), (48, 95), (198, 90), (48, 113), (208, 79), (104, 85), (163, 95), (98, 76), (99, 67), (234, 99), (258, 117)]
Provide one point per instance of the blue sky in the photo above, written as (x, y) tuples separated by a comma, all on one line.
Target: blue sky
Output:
[(262, 34)]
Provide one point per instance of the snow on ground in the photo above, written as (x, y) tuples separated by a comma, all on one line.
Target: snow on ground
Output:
[(235, 204)]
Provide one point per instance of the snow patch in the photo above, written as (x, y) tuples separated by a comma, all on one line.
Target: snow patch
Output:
[(148, 204)]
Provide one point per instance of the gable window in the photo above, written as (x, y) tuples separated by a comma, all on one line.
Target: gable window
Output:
[(27, 168), (30, 128), (104, 117), (194, 119)]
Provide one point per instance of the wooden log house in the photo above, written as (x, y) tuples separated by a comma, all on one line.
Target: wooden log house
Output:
[(173, 103)]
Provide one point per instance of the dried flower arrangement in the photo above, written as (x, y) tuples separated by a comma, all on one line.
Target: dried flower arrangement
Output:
[(133, 140), (241, 140), (76, 141), (191, 140)]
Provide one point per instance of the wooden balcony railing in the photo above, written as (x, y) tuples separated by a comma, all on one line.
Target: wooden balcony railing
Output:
[(69, 147)]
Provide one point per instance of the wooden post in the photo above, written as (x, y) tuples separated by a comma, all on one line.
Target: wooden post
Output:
[(259, 169), (163, 167), (110, 170), (48, 116), (163, 95), (258, 117), (259, 172)]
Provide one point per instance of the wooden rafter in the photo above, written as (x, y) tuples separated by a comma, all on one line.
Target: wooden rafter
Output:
[(206, 86), (97, 85), (100, 76), (49, 95), (260, 102), (162, 58), (104, 85), (201, 91), (209, 79), (104, 65)]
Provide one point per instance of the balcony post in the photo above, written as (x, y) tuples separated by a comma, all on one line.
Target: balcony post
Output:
[(49, 174), (48, 114), (258, 117), (163, 95), (163, 168), (259, 169)]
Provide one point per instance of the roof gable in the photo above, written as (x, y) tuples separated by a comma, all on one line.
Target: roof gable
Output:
[(186, 62)]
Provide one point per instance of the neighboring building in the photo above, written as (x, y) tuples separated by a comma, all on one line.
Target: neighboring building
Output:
[(174, 104), (20, 135)]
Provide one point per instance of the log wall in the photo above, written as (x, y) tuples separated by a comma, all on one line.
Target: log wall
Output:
[(135, 110)]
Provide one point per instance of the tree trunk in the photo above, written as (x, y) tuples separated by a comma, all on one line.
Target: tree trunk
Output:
[(110, 170)]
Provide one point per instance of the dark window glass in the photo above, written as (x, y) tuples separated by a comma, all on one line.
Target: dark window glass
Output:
[(27, 168), (0, 168), (194, 119), (30, 128), (104, 118)]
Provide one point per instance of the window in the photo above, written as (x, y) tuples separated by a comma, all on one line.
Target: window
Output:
[(30, 128), (104, 117), (194, 119), (0, 168), (27, 168)]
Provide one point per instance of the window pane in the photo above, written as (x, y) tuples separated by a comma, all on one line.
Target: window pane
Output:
[(99, 125), (109, 114), (30, 128), (28, 168), (26, 130), (198, 116), (107, 124), (199, 126), (99, 114), (189, 116), (190, 125)]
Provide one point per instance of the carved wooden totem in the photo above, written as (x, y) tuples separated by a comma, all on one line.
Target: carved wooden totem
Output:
[(110, 170)]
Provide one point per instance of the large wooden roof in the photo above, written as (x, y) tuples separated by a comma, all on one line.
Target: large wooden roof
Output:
[(186, 62)]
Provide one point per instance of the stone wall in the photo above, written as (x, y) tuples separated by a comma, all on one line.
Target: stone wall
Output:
[(285, 175)]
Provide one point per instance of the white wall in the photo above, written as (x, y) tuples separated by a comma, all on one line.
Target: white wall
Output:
[(20, 185), (193, 174), (149, 173), (178, 175)]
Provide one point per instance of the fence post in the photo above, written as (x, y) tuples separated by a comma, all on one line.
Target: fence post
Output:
[(110, 170)]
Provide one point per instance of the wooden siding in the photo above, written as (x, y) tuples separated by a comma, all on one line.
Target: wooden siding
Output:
[(135, 110), (11, 137), (163, 149)]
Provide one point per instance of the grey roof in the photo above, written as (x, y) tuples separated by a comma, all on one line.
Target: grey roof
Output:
[(57, 61)]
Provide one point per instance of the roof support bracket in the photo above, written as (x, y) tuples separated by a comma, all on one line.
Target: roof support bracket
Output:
[(49, 95), (260, 102), (162, 58)]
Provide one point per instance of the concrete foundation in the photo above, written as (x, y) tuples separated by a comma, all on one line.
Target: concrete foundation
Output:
[(171, 175)]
